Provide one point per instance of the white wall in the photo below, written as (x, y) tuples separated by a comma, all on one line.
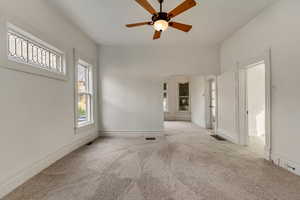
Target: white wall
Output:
[(37, 113), (198, 98), (256, 100), (131, 82), (173, 101), (227, 126), (278, 28)]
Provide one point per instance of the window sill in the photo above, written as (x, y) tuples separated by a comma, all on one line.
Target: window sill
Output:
[(30, 69), (85, 126), (184, 112)]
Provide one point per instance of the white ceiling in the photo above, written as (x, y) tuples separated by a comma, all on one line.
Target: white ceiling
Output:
[(212, 20)]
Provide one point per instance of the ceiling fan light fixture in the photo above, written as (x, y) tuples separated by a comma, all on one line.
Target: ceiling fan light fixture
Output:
[(161, 25), (161, 20)]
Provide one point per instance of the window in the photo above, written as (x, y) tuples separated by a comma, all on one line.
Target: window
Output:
[(184, 99), (27, 49), (84, 94), (165, 97), (213, 99)]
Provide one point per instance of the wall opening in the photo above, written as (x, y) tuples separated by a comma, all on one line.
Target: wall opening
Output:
[(256, 107), (176, 98)]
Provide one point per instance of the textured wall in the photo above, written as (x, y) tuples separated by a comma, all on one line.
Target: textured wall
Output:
[(37, 113), (131, 82), (278, 28)]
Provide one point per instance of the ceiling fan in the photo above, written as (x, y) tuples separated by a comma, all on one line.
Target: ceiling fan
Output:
[(162, 20)]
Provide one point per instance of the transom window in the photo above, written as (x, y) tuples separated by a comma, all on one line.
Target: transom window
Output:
[(84, 94), (24, 48)]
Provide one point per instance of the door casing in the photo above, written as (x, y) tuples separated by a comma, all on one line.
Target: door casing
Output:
[(242, 106)]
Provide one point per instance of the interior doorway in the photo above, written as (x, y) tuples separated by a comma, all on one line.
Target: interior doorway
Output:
[(176, 98), (255, 105)]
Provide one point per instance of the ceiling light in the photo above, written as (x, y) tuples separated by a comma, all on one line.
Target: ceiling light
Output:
[(160, 25)]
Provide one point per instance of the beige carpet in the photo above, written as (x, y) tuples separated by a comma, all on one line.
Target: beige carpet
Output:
[(187, 164)]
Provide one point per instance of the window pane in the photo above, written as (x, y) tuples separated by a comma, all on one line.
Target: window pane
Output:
[(213, 94), (165, 102), (12, 45), (213, 85), (85, 94), (84, 111), (165, 86), (19, 47), (82, 78), (26, 49), (183, 103), (184, 96), (213, 103), (184, 89), (213, 112)]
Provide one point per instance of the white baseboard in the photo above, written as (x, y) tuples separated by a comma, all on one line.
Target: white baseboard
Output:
[(267, 154), (282, 161), (255, 133), (21, 177), (228, 136), (131, 134)]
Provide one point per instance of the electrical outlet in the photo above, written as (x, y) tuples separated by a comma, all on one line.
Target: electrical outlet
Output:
[(289, 167), (286, 164)]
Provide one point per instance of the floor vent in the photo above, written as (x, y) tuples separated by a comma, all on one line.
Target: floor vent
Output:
[(150, 138), (90, 143), (217, 137)]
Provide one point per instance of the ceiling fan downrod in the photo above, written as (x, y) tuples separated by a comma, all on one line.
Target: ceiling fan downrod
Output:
[(161, 2)]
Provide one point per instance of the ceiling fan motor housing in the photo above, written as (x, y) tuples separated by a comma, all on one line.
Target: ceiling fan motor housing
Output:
[(161, 16)]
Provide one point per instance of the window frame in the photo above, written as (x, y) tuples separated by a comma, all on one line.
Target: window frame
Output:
[(165, 91), (16, 64), (178, 98), (90, 93)]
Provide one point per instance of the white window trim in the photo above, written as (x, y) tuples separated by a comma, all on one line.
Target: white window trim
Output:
[(91, 122), (13, 64)]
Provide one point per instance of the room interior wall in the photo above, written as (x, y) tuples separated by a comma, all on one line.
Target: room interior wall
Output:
[(198, 100), (256, 100), (131, 79), (227, 123), (277, 28), (173, 112), (37, 113)]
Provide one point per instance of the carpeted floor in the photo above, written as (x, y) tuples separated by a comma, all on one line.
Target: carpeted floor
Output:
[(187, 164)]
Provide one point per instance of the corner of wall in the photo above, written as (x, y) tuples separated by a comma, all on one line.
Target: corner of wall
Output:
[(285, 163), (232, 137), (21, 177)]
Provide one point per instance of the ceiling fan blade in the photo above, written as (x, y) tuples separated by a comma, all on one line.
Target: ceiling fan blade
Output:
[(145, 4), (156, 35), (187, 4), (179, 26), (138, 24)]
